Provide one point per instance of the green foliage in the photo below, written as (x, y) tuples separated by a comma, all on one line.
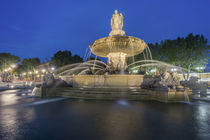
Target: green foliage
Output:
[(28, 64), (62, 58), (6, 60), (188, 52)]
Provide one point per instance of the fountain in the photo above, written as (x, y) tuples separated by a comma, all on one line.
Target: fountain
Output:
[(98, 80)]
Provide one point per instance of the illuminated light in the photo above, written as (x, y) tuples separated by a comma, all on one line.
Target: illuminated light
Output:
[(36, 72), (200, 68), (135, 71), (13, 65), (153, 70), (43, 70), (12, 86), (24, 73), (173, 69), (52, 68), (30, 72), (6, 70)]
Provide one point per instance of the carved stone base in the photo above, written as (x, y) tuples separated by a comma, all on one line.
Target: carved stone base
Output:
[(117, 61), (117, 33)]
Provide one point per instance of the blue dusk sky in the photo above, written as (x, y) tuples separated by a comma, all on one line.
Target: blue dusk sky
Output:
[(39, 28)]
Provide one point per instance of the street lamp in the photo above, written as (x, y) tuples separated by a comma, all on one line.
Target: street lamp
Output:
[(13, 65), (52, 68), (43, 70)]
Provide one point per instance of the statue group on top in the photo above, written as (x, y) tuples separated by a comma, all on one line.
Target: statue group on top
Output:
[(117, 24)]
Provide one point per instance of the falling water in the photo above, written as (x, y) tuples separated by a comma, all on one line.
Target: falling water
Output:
[(86, 51), (186, 97)]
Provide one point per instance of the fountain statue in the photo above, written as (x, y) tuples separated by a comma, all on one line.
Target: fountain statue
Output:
[(117, 24), (117, 46)]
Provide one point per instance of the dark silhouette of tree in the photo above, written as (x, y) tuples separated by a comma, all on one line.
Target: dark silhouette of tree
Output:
[(30, 64), (6, 60), (188, 52), (62, 58)]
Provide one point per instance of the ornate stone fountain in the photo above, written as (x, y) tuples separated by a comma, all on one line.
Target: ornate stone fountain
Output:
[(117, 46)]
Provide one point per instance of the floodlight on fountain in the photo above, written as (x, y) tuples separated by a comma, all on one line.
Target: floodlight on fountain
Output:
[(117, 46)]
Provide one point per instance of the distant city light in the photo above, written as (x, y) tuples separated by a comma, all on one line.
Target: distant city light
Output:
[(13, 65), (43, 70), (52, 68), (173, 69), (200, 68), (135, 71)]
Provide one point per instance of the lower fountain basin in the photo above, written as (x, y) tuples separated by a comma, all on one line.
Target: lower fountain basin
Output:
[(104, 80), (131, 93), (120, 87)]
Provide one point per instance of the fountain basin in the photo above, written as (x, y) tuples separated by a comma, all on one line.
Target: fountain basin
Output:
[(104, 80), (120, 87), (128, 93), (114, 44)]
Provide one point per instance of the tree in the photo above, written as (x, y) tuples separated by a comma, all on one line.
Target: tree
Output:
[(62, 58), (188, 52), (6, 60), (30, 64)]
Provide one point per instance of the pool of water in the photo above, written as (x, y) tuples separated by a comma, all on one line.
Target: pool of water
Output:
[(26, 117)]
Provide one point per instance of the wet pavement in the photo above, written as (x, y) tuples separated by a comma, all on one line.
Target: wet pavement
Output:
[(23, 116)]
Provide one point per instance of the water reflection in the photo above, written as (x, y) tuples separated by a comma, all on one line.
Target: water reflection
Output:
[(13, 122), (106, 120), (123, 102), (202, 115)]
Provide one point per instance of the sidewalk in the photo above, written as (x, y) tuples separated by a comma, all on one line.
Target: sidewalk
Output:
[(17, 85)]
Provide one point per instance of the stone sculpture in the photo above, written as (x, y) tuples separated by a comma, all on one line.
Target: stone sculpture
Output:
[(117, 24)]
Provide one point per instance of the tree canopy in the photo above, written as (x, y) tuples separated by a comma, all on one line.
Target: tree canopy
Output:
[(28, 64), (189, 52), (62, 58), (7, 59)]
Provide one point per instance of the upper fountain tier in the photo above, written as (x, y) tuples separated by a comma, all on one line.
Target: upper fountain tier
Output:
[(114, 44), (117, 42)]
